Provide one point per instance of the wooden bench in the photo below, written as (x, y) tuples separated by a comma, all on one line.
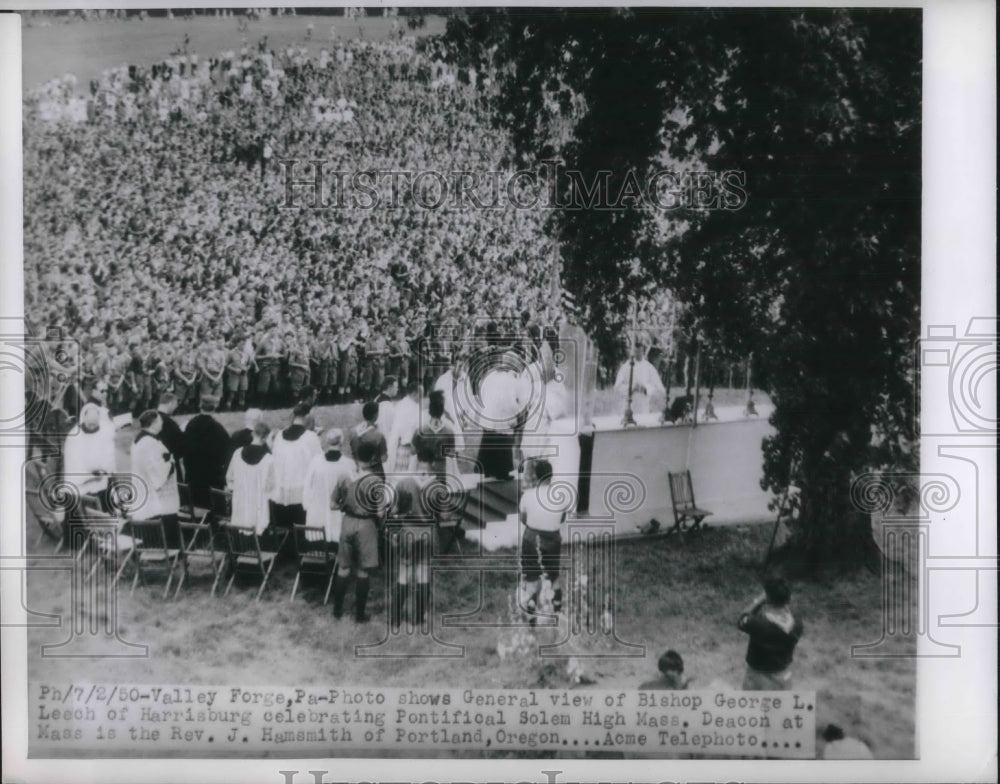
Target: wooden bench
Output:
[(682, 498)]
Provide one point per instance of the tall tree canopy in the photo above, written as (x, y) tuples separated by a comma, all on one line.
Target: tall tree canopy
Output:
[(807, 254)]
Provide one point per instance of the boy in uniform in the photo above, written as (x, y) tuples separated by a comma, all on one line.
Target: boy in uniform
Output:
[(212, 365), (269, 351), (298, 364), (347, 366), (185, 375), (237, 369)]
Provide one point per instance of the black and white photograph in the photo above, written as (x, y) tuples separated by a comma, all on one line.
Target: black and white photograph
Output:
[(499, 384)]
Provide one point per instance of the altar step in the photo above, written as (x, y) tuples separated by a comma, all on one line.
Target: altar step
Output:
[(490, 501)]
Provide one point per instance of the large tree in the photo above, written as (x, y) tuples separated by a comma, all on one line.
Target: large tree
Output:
[(814, 268)]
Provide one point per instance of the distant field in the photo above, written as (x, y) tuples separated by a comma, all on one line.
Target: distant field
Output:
[(88, 48)]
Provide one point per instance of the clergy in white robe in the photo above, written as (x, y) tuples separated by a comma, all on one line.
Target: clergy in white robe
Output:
[(293, 450), (89, 453), (321, 477), (646, 383), (250, 478), (405, 422)]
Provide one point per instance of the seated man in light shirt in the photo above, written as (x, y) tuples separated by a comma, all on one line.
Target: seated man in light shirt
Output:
[(646, 383)]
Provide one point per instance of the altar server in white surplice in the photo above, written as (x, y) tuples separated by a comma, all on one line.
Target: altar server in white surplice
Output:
[(250, 478), (321, 478)]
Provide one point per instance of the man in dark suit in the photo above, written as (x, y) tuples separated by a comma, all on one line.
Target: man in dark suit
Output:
[(171, 434), (207, 451)]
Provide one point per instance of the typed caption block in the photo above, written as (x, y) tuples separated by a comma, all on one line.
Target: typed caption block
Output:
[(106, 719)]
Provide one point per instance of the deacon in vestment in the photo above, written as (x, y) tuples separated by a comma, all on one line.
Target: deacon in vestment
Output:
[(646, 383)]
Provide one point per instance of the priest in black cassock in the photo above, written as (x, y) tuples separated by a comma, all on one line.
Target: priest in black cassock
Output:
[(207, 450)]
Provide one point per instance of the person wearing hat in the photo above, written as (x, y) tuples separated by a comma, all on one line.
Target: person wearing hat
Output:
[(322, 475), (207, 450), (645, 381), (361, 498)]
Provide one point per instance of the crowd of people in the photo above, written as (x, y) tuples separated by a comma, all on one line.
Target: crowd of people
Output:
[(159, 238)]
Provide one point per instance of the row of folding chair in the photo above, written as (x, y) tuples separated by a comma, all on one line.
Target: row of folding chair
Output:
[(220, 544)]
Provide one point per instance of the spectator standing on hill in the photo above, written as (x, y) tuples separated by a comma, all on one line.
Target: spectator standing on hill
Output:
[(774, 632), (207, 449), (293, 448)]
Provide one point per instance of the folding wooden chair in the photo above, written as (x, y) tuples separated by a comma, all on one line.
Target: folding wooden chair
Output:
[(682, 498), (315, 556), (151, 550), (198, 543), (222, 506), (189, 513), (87, 507), (110, 546), (243, 552)]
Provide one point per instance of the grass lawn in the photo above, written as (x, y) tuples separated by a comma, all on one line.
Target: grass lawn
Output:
[(670, 594)]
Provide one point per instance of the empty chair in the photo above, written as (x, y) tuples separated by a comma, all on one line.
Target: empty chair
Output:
[(316, 556), (198, 542), (152, 552), (244, 554)]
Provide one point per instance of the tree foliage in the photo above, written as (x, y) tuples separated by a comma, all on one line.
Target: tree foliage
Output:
[(817, 270)]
